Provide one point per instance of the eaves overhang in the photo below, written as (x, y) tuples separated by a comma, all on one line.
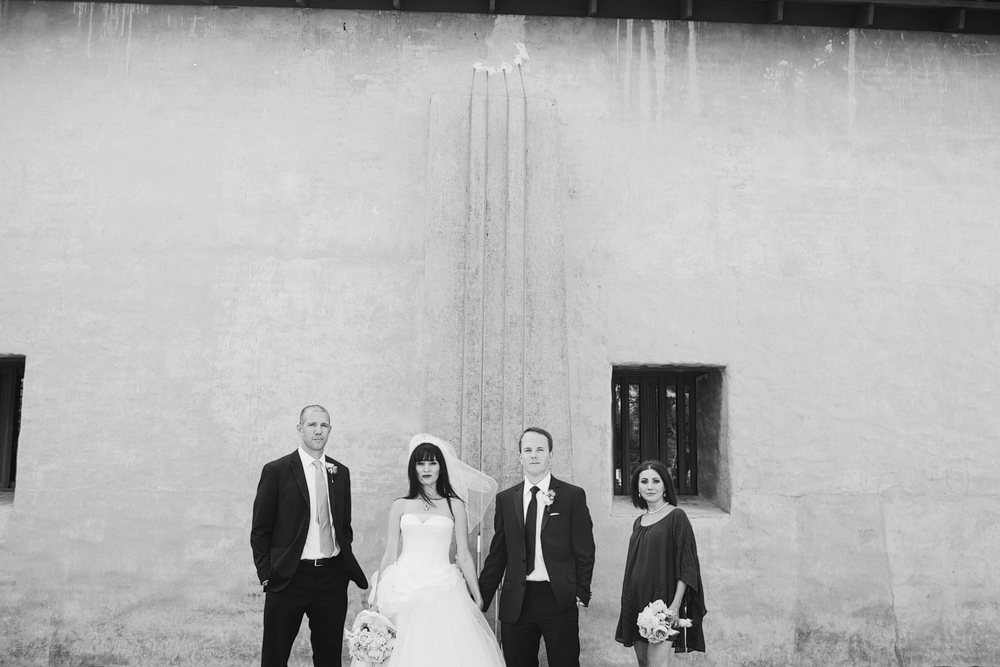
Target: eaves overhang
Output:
[(952, 16)]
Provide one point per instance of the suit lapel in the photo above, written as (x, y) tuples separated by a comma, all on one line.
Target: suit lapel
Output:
[(295, 463), (553, 485), (333, 488), (519, 506)]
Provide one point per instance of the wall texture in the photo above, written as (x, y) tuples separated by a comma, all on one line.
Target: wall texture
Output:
[(211, 217)]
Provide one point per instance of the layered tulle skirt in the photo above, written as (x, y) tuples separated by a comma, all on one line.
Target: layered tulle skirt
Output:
[(437, 623)]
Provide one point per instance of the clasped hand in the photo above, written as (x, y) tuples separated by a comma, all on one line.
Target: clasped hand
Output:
[(675, 615)]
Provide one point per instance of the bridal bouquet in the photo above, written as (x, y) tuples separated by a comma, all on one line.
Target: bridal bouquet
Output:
[(371, 639), (655, 621)]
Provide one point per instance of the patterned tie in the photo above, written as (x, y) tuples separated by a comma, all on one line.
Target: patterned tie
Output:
[(326, 543), (529, 529)]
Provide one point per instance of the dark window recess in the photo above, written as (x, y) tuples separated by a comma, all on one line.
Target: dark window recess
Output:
[(11, 389), (654, 417)]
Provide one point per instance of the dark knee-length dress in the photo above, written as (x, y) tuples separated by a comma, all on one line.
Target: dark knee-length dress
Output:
[(659, 555)]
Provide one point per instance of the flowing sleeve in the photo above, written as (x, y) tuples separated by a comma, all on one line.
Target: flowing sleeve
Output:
[(688, 570), (686, 562), (629, 562)]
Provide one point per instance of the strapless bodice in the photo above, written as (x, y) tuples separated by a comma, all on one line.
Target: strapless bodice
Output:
[(426, 540), (423, 562)]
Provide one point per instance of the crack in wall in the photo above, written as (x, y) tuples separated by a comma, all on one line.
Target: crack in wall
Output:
[(896, 649)]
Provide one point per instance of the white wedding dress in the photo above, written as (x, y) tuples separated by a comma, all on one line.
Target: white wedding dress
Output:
[(424, 593)]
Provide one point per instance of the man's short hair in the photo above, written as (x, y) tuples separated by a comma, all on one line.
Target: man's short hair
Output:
[(535, 429), (302, 415)]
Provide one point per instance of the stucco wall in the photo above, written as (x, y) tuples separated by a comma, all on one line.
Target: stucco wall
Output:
[(822, 226), (211, 217)]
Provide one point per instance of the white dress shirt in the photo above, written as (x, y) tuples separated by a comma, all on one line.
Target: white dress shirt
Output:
[(312, 549), (539, 573)]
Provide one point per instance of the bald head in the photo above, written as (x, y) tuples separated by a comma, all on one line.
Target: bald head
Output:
[(320, 408)]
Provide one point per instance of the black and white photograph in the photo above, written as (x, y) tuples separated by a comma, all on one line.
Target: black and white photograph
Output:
[(496, 333)]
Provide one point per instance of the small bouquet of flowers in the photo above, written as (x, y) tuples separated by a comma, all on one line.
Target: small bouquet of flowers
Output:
[(371, 639), (655, 622)]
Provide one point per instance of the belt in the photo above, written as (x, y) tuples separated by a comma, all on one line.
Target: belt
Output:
[(316, 562)]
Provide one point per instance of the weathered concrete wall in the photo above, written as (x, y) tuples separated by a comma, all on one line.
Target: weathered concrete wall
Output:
[(812, 211), (211, 217)]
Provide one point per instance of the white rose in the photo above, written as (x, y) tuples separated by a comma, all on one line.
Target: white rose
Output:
[(659, 634)]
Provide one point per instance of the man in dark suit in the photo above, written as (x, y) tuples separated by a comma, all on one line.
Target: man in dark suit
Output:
[(301, 539), (543, 551)]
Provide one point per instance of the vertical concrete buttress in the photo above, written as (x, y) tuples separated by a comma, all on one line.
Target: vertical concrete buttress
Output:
[(494, 329)]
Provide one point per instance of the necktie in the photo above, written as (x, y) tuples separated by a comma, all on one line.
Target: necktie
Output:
[(529, 529), (326, 544)]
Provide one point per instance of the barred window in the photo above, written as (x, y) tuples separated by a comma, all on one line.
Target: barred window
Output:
[(661, 413)]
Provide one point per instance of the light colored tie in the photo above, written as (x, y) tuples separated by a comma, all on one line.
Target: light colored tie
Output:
[(326, 543)]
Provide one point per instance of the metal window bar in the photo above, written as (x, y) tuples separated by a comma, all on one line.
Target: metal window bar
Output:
[(692, 487), (649, 392)]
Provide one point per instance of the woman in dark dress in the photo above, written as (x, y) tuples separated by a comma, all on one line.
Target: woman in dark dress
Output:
[(662, 564)]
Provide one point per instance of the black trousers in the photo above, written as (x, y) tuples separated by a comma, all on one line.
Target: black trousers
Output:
[(321, 594), (542, 617)]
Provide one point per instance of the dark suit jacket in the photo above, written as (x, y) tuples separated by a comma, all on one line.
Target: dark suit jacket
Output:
[(567, 548), (281, 521)]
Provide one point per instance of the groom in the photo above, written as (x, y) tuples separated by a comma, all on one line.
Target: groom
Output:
[(301, 538), (543, 551)]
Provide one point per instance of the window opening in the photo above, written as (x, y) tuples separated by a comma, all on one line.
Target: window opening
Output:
[(676, 415), (11, 392)]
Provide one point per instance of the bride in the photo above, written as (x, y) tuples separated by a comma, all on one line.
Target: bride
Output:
[(434, 604)]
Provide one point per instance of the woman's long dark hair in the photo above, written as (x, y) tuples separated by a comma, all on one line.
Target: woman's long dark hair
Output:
[(668, 483), (425, 451)]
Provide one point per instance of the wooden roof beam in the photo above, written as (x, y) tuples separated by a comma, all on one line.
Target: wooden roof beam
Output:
[(776, 11), (955, 20), (864, 15)]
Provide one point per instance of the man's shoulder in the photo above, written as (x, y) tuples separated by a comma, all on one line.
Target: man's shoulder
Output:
[(565, 487), (281, 460), (511, 490)]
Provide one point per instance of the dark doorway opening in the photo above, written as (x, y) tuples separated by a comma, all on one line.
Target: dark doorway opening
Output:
[(11, 389)]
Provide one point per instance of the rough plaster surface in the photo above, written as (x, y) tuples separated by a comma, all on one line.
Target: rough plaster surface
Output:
[(495, 301), (211, 217)]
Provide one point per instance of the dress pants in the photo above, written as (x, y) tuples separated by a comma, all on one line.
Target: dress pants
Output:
[(319, 592), (542, 617)]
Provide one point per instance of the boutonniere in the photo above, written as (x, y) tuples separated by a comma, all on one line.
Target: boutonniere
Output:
[(331, 469), (548, 498)]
